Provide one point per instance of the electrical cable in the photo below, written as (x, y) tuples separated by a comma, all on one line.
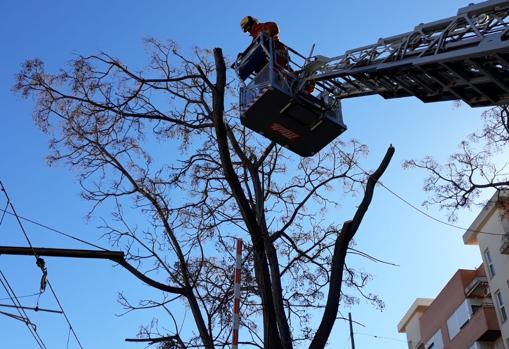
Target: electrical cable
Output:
[(40, 263), (14, 316), (68, 338), (436, 219), (399, 197), (65, 315), (31, 308), (5, 211), (3, 214), (380, 337), (24, 316), (12, 295), (25, 296), (9, 203)]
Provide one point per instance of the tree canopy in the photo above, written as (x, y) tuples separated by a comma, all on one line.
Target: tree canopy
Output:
[(162, 147), (477, 166)]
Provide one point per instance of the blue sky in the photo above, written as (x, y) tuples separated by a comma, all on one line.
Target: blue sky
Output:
[(428, 253)]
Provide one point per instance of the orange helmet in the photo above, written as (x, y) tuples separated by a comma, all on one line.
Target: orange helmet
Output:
[(247, 22)]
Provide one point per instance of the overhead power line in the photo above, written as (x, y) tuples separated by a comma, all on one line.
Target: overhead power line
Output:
[(25, 296), (380, 337), (408, 203), (5, 211), (40, 263), (31, 308), (436, 219), (23, 316), (64, 314)]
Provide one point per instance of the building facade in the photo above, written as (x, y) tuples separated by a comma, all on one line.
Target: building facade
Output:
[(490, 231), (462, 316), (472, 310)]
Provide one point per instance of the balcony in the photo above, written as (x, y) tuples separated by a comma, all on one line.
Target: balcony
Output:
[(477, 288), (504, 244), (482, 326)]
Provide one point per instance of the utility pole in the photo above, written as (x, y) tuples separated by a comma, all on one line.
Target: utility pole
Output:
[(351, 330)]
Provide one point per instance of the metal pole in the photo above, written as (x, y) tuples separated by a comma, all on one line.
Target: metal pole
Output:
[(351, 330), (115, 256), (61, 252), (236, 295)]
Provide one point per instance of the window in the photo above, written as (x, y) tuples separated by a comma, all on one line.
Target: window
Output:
[(501, 306), (489, 263), (435, 342), (458, 319)]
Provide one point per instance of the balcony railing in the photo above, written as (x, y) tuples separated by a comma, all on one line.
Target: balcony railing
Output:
[(477, 288), (482, 326)]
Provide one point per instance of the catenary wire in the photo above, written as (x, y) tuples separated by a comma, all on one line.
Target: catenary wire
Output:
[(3, 189), (68, 338), (10, 291), (31, 308), (399, 197), (65, 315), (9, 203), (5, 211), (25, 296), (31, 327), (14, 316)]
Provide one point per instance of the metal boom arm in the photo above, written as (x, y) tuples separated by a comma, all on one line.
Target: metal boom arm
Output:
[(463, 57)]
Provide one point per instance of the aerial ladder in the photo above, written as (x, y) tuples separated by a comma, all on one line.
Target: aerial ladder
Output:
[(465, 57)]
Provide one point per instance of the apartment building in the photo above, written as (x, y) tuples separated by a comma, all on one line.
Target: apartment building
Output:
[(490, 231), (462, 316), (471, 311)]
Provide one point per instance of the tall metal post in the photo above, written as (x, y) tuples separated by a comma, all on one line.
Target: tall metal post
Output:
[(236, 297), (351, 330)]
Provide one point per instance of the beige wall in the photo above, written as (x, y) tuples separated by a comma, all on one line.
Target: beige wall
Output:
[(413, 331), (410, 323), (501, 265)]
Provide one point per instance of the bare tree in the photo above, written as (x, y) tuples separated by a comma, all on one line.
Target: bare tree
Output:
[(480, 164), (166, 142)]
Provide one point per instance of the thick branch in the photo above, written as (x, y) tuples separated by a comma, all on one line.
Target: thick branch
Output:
[(151, 282), (338, 260)]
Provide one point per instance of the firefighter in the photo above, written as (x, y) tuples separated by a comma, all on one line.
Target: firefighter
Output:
[(270, 29), (251, 25)]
